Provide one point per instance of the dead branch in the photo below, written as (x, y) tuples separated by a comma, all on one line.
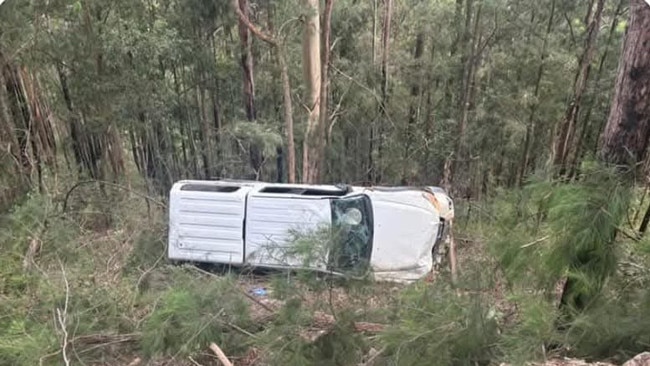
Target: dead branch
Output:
[(239, 329), (100, 338), (326, 321), (222, 356), (534, 242), (62, 317), (135, 362), (194, 361), (374, 356)]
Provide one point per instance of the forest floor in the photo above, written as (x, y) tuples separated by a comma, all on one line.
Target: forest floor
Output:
[(97, 290)]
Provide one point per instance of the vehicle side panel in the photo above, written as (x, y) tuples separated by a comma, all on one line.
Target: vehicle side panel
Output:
[(207, 226), (274, 221)]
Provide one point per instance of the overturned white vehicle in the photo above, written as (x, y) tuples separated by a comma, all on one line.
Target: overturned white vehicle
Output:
[(392, 231)]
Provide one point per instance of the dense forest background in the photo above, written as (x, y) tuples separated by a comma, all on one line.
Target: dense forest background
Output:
[(533, 114), (472, 94)]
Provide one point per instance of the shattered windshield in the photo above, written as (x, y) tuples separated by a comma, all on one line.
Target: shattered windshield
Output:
[(352, 225)]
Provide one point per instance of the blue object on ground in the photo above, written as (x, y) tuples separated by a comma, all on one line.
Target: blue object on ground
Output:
[(259, 291)]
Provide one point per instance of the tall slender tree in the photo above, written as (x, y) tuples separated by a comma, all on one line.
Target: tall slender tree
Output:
[(311, 65)]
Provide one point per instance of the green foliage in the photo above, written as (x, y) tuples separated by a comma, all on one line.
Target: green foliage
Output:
[(193, 313), (550, 231), (533, 332), (341, 345), (259, 134), (25, 342), (614, 328), (149, 249), (434, 323)]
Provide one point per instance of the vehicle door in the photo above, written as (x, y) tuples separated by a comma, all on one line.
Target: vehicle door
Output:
[(287, 226)]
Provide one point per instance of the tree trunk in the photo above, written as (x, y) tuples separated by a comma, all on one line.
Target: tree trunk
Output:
[(626, 134), (311, 64), (206, 135), (530, 127), (288, 115), (248, 83), (286, 87), (563, 146), (414, 105), (586, 132), (377, 131), (324, 85)]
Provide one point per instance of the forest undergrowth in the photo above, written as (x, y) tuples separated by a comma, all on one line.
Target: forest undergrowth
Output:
[(90, 285)]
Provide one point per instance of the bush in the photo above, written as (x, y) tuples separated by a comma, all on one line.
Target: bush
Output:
[(193, 313), (434, 324), (534, 333), (24, 342)]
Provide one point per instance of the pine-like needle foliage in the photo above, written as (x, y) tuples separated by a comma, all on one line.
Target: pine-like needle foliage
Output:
[(566, 230), (435, 325), (194, 313)]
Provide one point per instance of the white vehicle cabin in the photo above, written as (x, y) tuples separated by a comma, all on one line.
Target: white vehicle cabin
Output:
[(391, 230)]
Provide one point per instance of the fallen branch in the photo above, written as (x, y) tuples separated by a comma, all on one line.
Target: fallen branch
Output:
[(534, 242), (135, 362), (324, 320), (95, 341), (99, 338), (194, 361), (62, 318), (374, 356), (220, 355), (238, 328)]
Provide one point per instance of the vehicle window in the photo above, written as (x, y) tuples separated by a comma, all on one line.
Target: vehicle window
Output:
[(209, 188), (352, 226), (303, 191)]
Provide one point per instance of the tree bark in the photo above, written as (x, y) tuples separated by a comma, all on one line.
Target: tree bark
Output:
[(625, 139), (311, 65), (206, 135), (288, 115), (587, 133), (317, 160)]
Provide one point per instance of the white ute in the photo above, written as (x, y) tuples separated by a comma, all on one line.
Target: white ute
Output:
[(392, 230)]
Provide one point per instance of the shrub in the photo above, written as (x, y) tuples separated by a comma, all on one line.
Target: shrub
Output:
[(434, 324), (193, 313)]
